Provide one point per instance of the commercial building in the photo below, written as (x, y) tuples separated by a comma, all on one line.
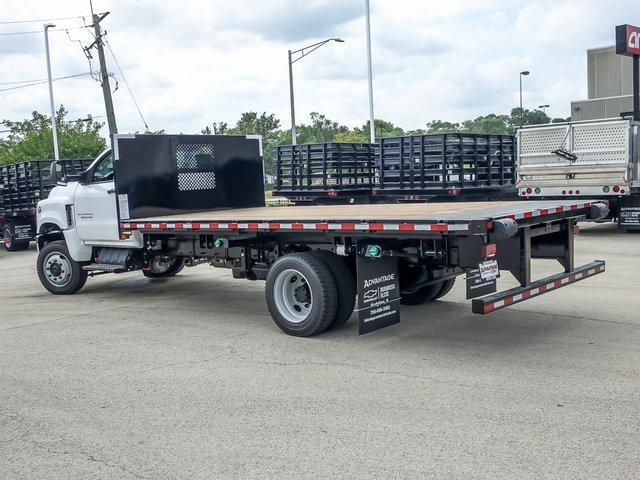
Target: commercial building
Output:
[(609, 83)]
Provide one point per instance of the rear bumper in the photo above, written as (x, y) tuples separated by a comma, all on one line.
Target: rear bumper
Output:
[(500, 300)]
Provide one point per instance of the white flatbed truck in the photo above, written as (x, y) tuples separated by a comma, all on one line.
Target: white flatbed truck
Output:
[(160, 202)]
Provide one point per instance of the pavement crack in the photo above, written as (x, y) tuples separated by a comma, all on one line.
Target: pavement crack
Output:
[(88, 456), (365, 370), (67, 317)]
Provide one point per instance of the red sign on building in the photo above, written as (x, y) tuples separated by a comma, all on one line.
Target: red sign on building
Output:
[(627, 40)]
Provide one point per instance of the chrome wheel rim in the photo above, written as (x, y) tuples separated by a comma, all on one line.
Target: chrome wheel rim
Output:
[(57, 268), (6, 238), (293, 297)]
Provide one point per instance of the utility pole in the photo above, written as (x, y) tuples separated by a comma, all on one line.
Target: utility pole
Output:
[(54, 130), (104, 75)]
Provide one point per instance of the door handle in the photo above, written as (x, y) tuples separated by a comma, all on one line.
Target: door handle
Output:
[(111, 190)]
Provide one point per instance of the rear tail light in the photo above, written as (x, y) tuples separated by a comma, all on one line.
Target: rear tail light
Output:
[(453, 192), (616, 189), (529, 191), (489, 250), (537, 190), (606, 189)]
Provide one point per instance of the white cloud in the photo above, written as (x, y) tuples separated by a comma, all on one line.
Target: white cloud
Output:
[(195, 62)]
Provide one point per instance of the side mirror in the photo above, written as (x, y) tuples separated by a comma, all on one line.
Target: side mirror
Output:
[(54, 170)]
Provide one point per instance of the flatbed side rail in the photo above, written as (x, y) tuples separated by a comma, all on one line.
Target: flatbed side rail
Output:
[(491, 303), (387, 226), (304, 226)]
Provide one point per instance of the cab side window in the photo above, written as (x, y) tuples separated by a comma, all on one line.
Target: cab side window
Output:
[(104, 170)]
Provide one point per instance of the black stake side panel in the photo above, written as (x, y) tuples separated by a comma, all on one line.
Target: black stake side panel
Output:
[(182, 174), (24, 184)]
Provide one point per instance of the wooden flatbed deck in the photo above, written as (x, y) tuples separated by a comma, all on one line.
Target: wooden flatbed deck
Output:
[(422, 212)]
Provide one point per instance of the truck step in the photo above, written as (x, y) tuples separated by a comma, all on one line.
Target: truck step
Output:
[(104, 267)]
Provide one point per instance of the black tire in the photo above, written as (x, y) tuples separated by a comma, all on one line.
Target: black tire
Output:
[(70, 281), (316, 284), (447, 285), (12, 245), (345, 285), (422, 295), (172, 271)]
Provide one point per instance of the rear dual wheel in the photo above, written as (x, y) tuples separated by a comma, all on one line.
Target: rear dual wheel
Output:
[(428, 293), (163, 267), (412, 273), (309, 292)]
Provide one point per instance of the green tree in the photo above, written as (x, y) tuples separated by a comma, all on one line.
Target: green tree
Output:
[(32, 139), (527, 117), (441, 126), (351, 137), (383, 129), (219, 128), (492, 123), (320, 130)]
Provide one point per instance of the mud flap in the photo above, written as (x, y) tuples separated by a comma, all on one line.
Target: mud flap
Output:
[(378, 293)]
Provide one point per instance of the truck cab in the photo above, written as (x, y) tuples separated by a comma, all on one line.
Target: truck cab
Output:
[(83, 210), (78, 225)]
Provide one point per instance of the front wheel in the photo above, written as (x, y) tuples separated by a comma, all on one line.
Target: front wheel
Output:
[(164, 267), (57, 271)]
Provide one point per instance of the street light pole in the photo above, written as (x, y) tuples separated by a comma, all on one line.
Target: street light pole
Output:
[(293, 109), (304, 51), (522, 74), (56, 153), (370, 74)]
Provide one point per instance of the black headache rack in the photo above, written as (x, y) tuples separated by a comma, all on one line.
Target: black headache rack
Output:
[(173, 174), (23, 184), (445, 165), (322, 172)]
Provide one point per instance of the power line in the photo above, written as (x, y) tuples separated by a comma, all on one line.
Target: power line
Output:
[(6, 34), (40, 82), (40, 20), (126, 83)]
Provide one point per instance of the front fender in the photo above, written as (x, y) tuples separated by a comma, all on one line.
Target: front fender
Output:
[(52, 218)]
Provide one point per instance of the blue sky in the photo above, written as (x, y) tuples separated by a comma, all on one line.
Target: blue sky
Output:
[(211, 60)]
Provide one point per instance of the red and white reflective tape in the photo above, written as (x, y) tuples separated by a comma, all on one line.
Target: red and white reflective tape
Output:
[(540, 289), (341, 227), (543, 212)]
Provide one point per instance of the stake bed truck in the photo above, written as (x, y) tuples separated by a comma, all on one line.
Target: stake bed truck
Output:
[(162, 202), (22, 185)]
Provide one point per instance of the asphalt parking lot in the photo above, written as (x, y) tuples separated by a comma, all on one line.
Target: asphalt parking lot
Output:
[(190, 378)]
